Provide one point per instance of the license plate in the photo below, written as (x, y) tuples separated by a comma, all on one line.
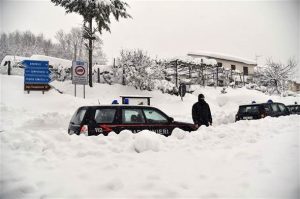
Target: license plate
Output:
[(248, 118)]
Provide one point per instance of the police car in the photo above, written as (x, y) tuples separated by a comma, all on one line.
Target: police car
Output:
[(294, 109), (95, 120), (257, 111)]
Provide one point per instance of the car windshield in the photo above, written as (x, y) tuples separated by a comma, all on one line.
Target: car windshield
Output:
[(249, 109)]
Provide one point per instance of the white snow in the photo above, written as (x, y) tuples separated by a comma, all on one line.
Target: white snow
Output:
[(14, 59), (222, 56), (55, 62), (198, 60), (246, 159)]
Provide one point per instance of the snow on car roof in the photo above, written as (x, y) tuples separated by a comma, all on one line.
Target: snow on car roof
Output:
[(222, 56)]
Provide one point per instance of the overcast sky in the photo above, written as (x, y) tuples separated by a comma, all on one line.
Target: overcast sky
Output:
[(174, 28)]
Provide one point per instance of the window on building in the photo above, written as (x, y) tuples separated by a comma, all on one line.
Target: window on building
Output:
[(245, 70), (232, 67)]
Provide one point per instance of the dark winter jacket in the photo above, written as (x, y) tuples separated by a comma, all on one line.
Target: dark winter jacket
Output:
[(201, 113)]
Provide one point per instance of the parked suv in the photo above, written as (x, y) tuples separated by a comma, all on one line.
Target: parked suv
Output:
[(258, 111), (294, 109), (95, 120)]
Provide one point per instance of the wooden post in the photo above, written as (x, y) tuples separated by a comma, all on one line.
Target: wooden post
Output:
[(217, 75), (123, 80), (98, 75), (8, 68)]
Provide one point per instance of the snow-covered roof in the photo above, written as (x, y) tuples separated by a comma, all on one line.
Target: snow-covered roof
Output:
[(198, 60), (222, 56), (13, 59), (53, 61)]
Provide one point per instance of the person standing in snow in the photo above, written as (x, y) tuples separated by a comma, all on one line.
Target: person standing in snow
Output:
[(201, 112)]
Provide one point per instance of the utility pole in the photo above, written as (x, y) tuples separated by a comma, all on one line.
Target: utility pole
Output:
[(176, 80)]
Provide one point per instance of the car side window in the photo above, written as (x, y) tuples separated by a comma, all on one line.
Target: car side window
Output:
[(105, 115), (267, 108), (282, 108), (132, 116), (275, 107), (78, 116), (153, 116)]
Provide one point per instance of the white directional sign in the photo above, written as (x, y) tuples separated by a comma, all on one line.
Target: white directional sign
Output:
[(80, 72)]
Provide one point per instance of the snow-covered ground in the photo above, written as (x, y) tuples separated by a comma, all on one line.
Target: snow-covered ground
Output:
[(247, 159)]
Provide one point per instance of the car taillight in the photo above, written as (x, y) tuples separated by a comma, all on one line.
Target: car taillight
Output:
[(84, 130)]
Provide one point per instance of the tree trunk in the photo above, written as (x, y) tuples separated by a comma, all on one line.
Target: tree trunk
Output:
[(75, 52), (90, 54)]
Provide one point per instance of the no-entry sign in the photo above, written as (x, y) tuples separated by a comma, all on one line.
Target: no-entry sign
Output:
[(80, 72)]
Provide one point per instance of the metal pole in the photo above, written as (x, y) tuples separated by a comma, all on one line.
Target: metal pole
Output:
[(83, 91)]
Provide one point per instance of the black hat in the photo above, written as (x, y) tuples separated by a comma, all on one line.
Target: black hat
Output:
[(200, 96)]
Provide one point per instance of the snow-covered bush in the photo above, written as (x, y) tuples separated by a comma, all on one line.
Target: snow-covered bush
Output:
[(137, 69), (275, 75), (164, 86)]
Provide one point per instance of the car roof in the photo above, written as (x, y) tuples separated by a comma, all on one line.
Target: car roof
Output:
[(117, 105), (257, 104)]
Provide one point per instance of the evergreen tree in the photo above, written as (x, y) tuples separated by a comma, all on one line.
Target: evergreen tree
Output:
[(98, 10)]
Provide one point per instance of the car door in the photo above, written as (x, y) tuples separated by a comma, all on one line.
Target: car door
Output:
[(133, 119), (157, 121)]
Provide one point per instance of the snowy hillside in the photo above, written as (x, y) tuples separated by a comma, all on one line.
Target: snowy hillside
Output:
[(247, 159)]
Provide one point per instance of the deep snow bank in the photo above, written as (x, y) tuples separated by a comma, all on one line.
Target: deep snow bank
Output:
[(247, 159), (243, 159)]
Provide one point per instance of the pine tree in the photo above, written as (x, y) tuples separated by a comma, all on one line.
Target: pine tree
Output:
[(98, 10)]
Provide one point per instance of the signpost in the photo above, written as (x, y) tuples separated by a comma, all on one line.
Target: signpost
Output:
[(80, 75), (36, 75)]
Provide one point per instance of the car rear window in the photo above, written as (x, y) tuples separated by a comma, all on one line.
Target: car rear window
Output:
[(106, 115), (249, 109)]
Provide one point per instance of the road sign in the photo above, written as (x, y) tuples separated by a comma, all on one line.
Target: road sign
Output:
[(39, 71), (35, 64), (36, 87), (80, 72), (36, 75)]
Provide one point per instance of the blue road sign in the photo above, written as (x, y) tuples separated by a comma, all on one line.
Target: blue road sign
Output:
[(36, 72), (40, 80), (35, 64)]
